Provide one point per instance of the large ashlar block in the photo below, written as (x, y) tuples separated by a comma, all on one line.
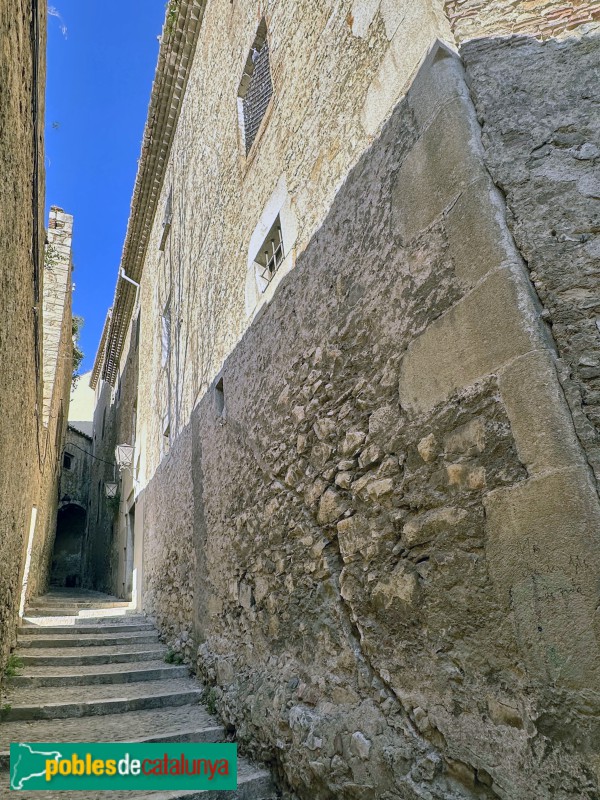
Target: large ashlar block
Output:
[(440, 79), (443, 163), (539, 416), (493, 324), (478, 237), (542, 548)]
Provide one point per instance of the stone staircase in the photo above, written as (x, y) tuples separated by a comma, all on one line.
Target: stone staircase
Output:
[(94, 670)]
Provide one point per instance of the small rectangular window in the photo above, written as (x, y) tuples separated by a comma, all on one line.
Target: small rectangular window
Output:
[(67, 461), (167, 218), (270, 256), (220, 397), (138, 324), (165, 335), (166, 437)]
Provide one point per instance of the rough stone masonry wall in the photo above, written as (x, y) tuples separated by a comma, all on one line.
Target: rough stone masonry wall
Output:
[(98, 563), (75, 482), (19, 99), (477, 19), (540, 111), (394, 522), (57, 370), (170, 569)]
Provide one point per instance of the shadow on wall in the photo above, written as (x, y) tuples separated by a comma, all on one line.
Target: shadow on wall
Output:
[(66, 561), (391, 573)]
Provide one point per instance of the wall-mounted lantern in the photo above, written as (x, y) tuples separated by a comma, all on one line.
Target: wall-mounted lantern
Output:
[(124, 455), (111, 489)]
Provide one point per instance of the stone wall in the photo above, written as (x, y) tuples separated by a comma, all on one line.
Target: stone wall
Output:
[(479, 19), (75, 480), (542, 145), (57, 371), (73, 504), (394, 522), (101, 516), (169, 548), (115, 415), (22, 78), (338, 69)]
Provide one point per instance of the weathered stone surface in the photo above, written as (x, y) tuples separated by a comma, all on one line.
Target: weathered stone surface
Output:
[(372, 601), (426, 526), (536, 129), (475, 338), (481, 19), (21, 267), (543, 553), (373, 610)]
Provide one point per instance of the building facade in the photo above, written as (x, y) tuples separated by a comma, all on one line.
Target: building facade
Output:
[(57, 374), (73, 504), (35, 329), (353, 382)]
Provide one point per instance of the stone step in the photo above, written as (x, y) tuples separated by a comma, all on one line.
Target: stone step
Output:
[(68, 611), (117, 616), (253, 784), (83, 628), (101, 699), (59, 602), (95, 675), (190, 723), (76, 594), (98, 639), (101, 655)]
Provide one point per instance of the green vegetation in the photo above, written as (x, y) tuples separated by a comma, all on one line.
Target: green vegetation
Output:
[(51, 257), (13, 665), (173, 657), (113, 504), (209, 698), (172, 11), (77, 352)]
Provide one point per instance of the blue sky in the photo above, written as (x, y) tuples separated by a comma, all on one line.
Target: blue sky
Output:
[(101, 61)]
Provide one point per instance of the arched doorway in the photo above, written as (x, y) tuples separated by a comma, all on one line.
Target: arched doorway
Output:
[(66, 560)]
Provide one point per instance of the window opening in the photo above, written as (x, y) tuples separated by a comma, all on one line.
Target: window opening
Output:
[(256, 87), (166, 438), (167, 218), (270, 256), (67, 460), (220, 397), (166, 334)]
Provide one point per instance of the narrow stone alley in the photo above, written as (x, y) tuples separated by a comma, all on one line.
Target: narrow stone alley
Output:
[(310, 461), (90, 669)]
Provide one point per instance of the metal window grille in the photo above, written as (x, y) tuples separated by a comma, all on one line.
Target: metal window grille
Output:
[(166, 225), (271, 254), (256, 87)]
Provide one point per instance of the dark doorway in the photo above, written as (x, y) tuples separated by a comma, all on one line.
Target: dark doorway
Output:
[(66, 560)]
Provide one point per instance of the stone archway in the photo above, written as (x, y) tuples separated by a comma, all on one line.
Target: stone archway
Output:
[(66, 559)]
